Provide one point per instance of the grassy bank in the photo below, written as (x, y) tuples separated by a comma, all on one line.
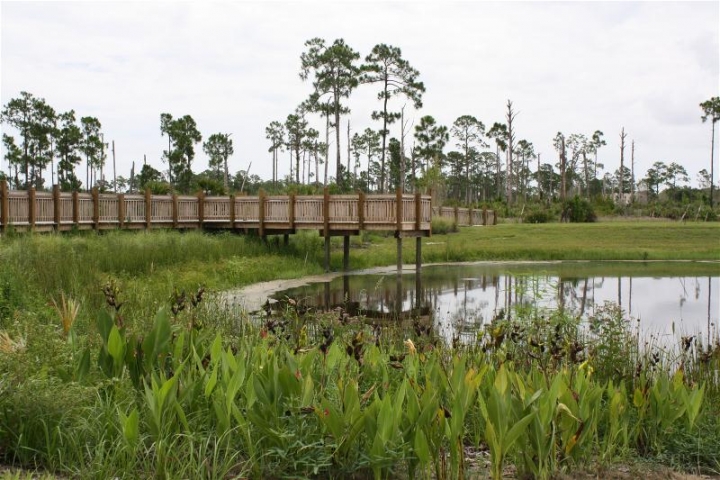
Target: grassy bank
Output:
[(595, 241)]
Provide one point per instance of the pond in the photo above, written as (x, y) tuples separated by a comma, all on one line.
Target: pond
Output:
[(668, 299)]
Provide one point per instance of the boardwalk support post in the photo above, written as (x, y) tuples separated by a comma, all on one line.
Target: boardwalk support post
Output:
[(346, 252)]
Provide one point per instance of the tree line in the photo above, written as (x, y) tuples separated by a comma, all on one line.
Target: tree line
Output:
[(485, 162), (59, 142)]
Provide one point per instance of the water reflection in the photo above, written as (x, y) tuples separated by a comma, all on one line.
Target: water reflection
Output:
[(668, 300)]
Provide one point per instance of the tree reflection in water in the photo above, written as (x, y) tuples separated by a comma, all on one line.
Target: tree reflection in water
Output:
[(460, 299)]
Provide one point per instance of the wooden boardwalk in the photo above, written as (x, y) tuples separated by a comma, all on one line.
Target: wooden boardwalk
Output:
[(407, 215)]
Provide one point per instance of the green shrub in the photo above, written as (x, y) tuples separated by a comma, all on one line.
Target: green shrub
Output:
[(538, 215), (441, 225), (604, 205), (578, 210)]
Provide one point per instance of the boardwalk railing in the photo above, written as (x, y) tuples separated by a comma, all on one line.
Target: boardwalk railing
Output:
[(47, 211)]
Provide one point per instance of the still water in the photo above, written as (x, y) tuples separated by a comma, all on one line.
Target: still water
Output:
[(667, 299)]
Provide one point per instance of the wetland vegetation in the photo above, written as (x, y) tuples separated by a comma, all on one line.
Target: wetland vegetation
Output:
[(134, 369)]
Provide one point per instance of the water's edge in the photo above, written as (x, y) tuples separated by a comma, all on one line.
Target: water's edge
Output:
[(252, 297)]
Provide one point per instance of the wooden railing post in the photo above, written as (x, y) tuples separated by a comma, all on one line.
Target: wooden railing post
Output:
[(261, 213), (56, 207), (4, 206), (494, 217), (326, 226), (398, 209), (418, 211), (457, 216), (361, 210), (175, 207), (484, 215), (232, 211), (148, 209), (470, 216), (76, 208), (31, 207), (326, 212), (96, 207), (121, 210), (291, 211), (201, 208)]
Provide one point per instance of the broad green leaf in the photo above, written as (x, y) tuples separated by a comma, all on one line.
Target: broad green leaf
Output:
[(116, 346), (83, 365), (216, 349), (386, 419), (561, 407), (212, 381), (501, 381), (104, 324), (308, 390), (131, 427), (420, 445), (517, 430), (638, 398), (168, 387), (163, 333)]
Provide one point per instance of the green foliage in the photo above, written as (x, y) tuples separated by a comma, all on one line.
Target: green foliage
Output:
[(443, 225), (385, 65), (578, 210), (219, 147), (334, 76), (182, 136), (35, 121), (538, 215)]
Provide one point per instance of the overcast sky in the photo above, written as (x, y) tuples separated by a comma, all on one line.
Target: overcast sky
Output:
[(574, 67)]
